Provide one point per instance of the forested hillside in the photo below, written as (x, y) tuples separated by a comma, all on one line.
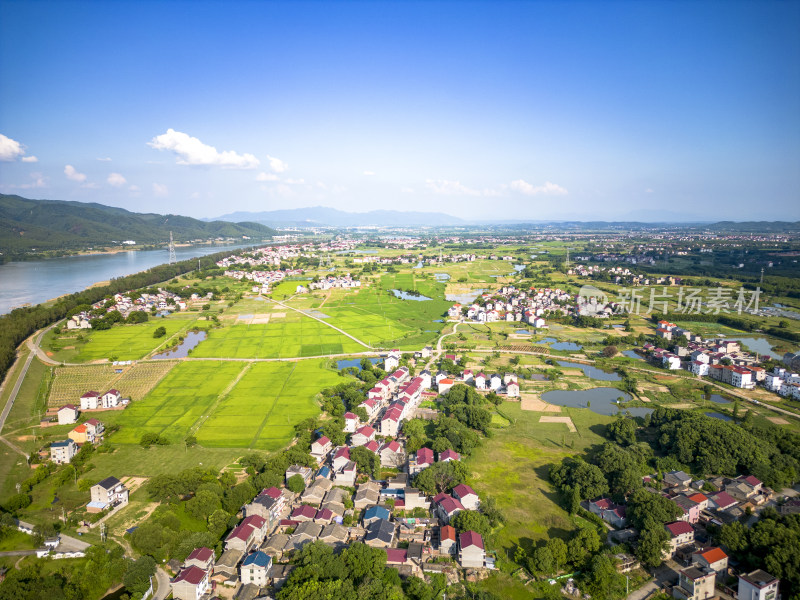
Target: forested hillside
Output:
[(62, 225)]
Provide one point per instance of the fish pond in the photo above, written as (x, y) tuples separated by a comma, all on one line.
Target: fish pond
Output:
[(346, 363), (189, 342), (591, 371), (402, 294), (603, 401)]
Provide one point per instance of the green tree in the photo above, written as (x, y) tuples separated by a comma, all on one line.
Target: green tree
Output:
[(296, 484), (558, 550), (652, 544), (160, 332), (203, 504), (137, 576), (471, 520)]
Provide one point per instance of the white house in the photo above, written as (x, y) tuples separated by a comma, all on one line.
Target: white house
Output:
[(67, 414)]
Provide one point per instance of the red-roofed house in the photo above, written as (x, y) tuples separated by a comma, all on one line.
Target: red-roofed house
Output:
[(471, 552), (445, 384), (320, 448), (90, 401), (480, 381), (447, 540), (202, 558), (467, 496), (110, 399), (304, 512), (396, 556), (391, 454), (713, 558), (390, 422), (449, 455), (363, 435), (681, 533), (242, 538), (447, 508), (190, 584), (722, 501), (373, 446), (701, 500), (351, 422), (340, 458), (422, 460)]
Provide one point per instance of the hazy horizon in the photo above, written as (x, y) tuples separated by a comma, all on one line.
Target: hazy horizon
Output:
[(484, 110)]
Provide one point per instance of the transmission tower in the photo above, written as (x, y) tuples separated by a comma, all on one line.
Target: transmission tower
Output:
[(762, 275), (172, 258)]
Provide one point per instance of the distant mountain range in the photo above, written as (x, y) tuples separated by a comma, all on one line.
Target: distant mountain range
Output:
[(331, 217), (65, 225)]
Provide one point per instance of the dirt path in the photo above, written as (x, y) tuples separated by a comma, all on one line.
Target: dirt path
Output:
[(342, 331)]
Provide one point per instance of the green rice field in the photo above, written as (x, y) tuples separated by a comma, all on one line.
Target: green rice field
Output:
[(228, 404), (262, 409), (286, 337)]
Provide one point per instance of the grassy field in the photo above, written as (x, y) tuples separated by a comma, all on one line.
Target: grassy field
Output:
[(122, 342), (514, 463)]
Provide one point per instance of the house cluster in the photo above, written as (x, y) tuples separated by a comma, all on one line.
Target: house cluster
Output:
[(783, 382), (327, 283), (88, 432), (719, 359), (263, 279), (112, 399), (506, 384), (162, 300), (278, 522), (704, 564), (512, 304), (81, 320)]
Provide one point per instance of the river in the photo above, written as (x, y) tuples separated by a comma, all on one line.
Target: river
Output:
[(36, 281)]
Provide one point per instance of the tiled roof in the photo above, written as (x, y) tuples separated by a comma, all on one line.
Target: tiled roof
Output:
[(679, 528), (470, 538), (713, 555), (193, 575), (259, 559), (462, 490), (202, 554)]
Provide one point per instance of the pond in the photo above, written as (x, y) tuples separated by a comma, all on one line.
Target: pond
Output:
[(519, 268), (346, 363), (602, 401), (438, 320), (631, 354), (717, 399), (591, 371), (760, 345), (189, 342), (466, 298), (441, 276), (716, 415), (410, 296), (618, 326), (537, 377), (418, 266), (523, 332), (556, 345)]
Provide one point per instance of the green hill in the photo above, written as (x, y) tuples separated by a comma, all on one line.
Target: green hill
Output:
[(63, 225)]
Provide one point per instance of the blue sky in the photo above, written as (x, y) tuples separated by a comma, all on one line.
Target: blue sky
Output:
[(485, 110)]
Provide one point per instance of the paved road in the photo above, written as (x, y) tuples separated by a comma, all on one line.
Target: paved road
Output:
[(18, 553), (15, 390), (163, 587)]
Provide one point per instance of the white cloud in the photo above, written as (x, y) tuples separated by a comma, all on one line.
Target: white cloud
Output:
[(369, 173), (277, 165), (30, 159), (104, 159), (91, 185), (548, 189), (116, 180), (73, 175), (295, 181), (134, 188), (39, 181), (266, 177), (10, 149), (195, 196), (408, 190), (160, 189), (450, 188), (647, 191), (191, 151)]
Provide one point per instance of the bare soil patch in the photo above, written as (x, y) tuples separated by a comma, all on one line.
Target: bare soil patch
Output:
[(566, 420), (535, 403), (778, 420)]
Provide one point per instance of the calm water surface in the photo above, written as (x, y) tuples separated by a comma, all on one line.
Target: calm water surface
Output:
[(37, 281), (591, 371), (603, 401), (190, 341)]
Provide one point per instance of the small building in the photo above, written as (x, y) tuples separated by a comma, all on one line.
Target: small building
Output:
[(469, 499), (449, 455), (380, 534), (758, 585), (374, 513), (305, 472), (67, 414), (713, 558), (201, 557), (108, 493), (447, 540), (680, 533), (63, 452), (255, 568), (190, 584), (471, 552), (695, 584)]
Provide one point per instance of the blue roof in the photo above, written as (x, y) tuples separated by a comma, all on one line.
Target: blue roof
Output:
[(60, 444), (325, 471), (376, 512), (259, 559)]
